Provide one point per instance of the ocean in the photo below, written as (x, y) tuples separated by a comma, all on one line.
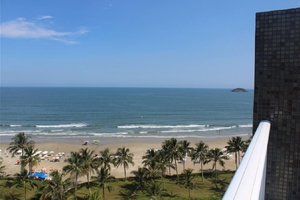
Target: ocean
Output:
[(125, 112)]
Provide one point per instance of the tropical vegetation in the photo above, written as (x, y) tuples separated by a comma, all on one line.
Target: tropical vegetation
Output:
[(199, 154), (148, 181), (236, 146), (20, 142), (123, 158)]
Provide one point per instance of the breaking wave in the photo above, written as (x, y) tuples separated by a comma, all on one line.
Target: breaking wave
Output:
[(161, 126), (62, 126)]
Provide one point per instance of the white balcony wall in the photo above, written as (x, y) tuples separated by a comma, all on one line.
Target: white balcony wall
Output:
[(249, 180)]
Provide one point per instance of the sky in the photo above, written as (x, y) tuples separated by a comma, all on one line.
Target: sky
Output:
[(130, 43)]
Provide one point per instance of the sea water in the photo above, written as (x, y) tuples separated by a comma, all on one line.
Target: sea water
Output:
[(125, 112)]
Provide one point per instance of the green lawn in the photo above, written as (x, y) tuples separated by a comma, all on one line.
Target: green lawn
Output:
[(122, 189)]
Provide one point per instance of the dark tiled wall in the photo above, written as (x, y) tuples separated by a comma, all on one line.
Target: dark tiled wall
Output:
[(277, 98)]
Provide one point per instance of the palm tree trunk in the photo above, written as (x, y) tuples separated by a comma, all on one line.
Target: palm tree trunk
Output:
[(176, 170), (202, 171), (189, 193), (162, 176), (88, 181), (125, 173), (103, 195), (216, 175), (236, 160), (30, 167), (24, 184), (75, 189)]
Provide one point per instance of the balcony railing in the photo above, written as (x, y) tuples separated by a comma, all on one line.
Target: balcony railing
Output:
[(249, 180)]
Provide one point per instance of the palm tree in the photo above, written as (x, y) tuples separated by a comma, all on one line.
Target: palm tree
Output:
[(88, 163), (140, 177), (156, 163), (150, 155), (30, 157), (11, 195), (217, 156), (184, 147), (155, 169), (21, 179), (74, 167), (165, 162), (152, 162), (2, 168), (103, 177), (200, 153), (106, 159), (93, 196), (235, 145), (123, 158), (154, 190), (20, 141), (57, 187), (187, 181), (246, 144), (173, 152)]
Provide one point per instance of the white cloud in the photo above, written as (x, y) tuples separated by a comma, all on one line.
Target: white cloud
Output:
[(45, 17), (21, 28), (110, 5)]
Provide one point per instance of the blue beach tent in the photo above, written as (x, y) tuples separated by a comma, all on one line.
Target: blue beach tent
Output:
[(41, 175)]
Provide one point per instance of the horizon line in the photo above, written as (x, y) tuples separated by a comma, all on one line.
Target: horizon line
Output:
[(121, 87)]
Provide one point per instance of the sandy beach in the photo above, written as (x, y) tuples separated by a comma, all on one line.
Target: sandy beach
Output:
[(137, 146)]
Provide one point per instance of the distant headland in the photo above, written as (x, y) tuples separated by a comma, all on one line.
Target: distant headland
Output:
[(239, 90)]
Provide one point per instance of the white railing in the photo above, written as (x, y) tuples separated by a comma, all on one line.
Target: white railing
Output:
[(249, 180)]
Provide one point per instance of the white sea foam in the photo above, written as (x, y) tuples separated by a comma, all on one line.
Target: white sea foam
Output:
[(161, 126), (57, 130), (15, 125), (246, 126), (101, 134), (62, 126), (217, 128), (197, 130), (179, 131), (121, 133)]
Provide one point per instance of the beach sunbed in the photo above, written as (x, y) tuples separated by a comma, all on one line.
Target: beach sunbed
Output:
[(96, 142)]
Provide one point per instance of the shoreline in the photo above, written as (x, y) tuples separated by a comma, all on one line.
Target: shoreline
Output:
[(137, 146), (110, 139)]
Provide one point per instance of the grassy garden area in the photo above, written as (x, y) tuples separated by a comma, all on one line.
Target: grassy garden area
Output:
[(130, 189)]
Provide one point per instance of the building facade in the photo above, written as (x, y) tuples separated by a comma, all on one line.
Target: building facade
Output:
[(277, 98)]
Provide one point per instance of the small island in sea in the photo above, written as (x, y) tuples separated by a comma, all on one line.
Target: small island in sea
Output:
[(239, 90)]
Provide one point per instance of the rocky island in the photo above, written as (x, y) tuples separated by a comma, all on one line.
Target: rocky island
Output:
[(239, 90)]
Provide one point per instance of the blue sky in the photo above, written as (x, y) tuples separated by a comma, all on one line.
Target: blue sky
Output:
[(130, 43)]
